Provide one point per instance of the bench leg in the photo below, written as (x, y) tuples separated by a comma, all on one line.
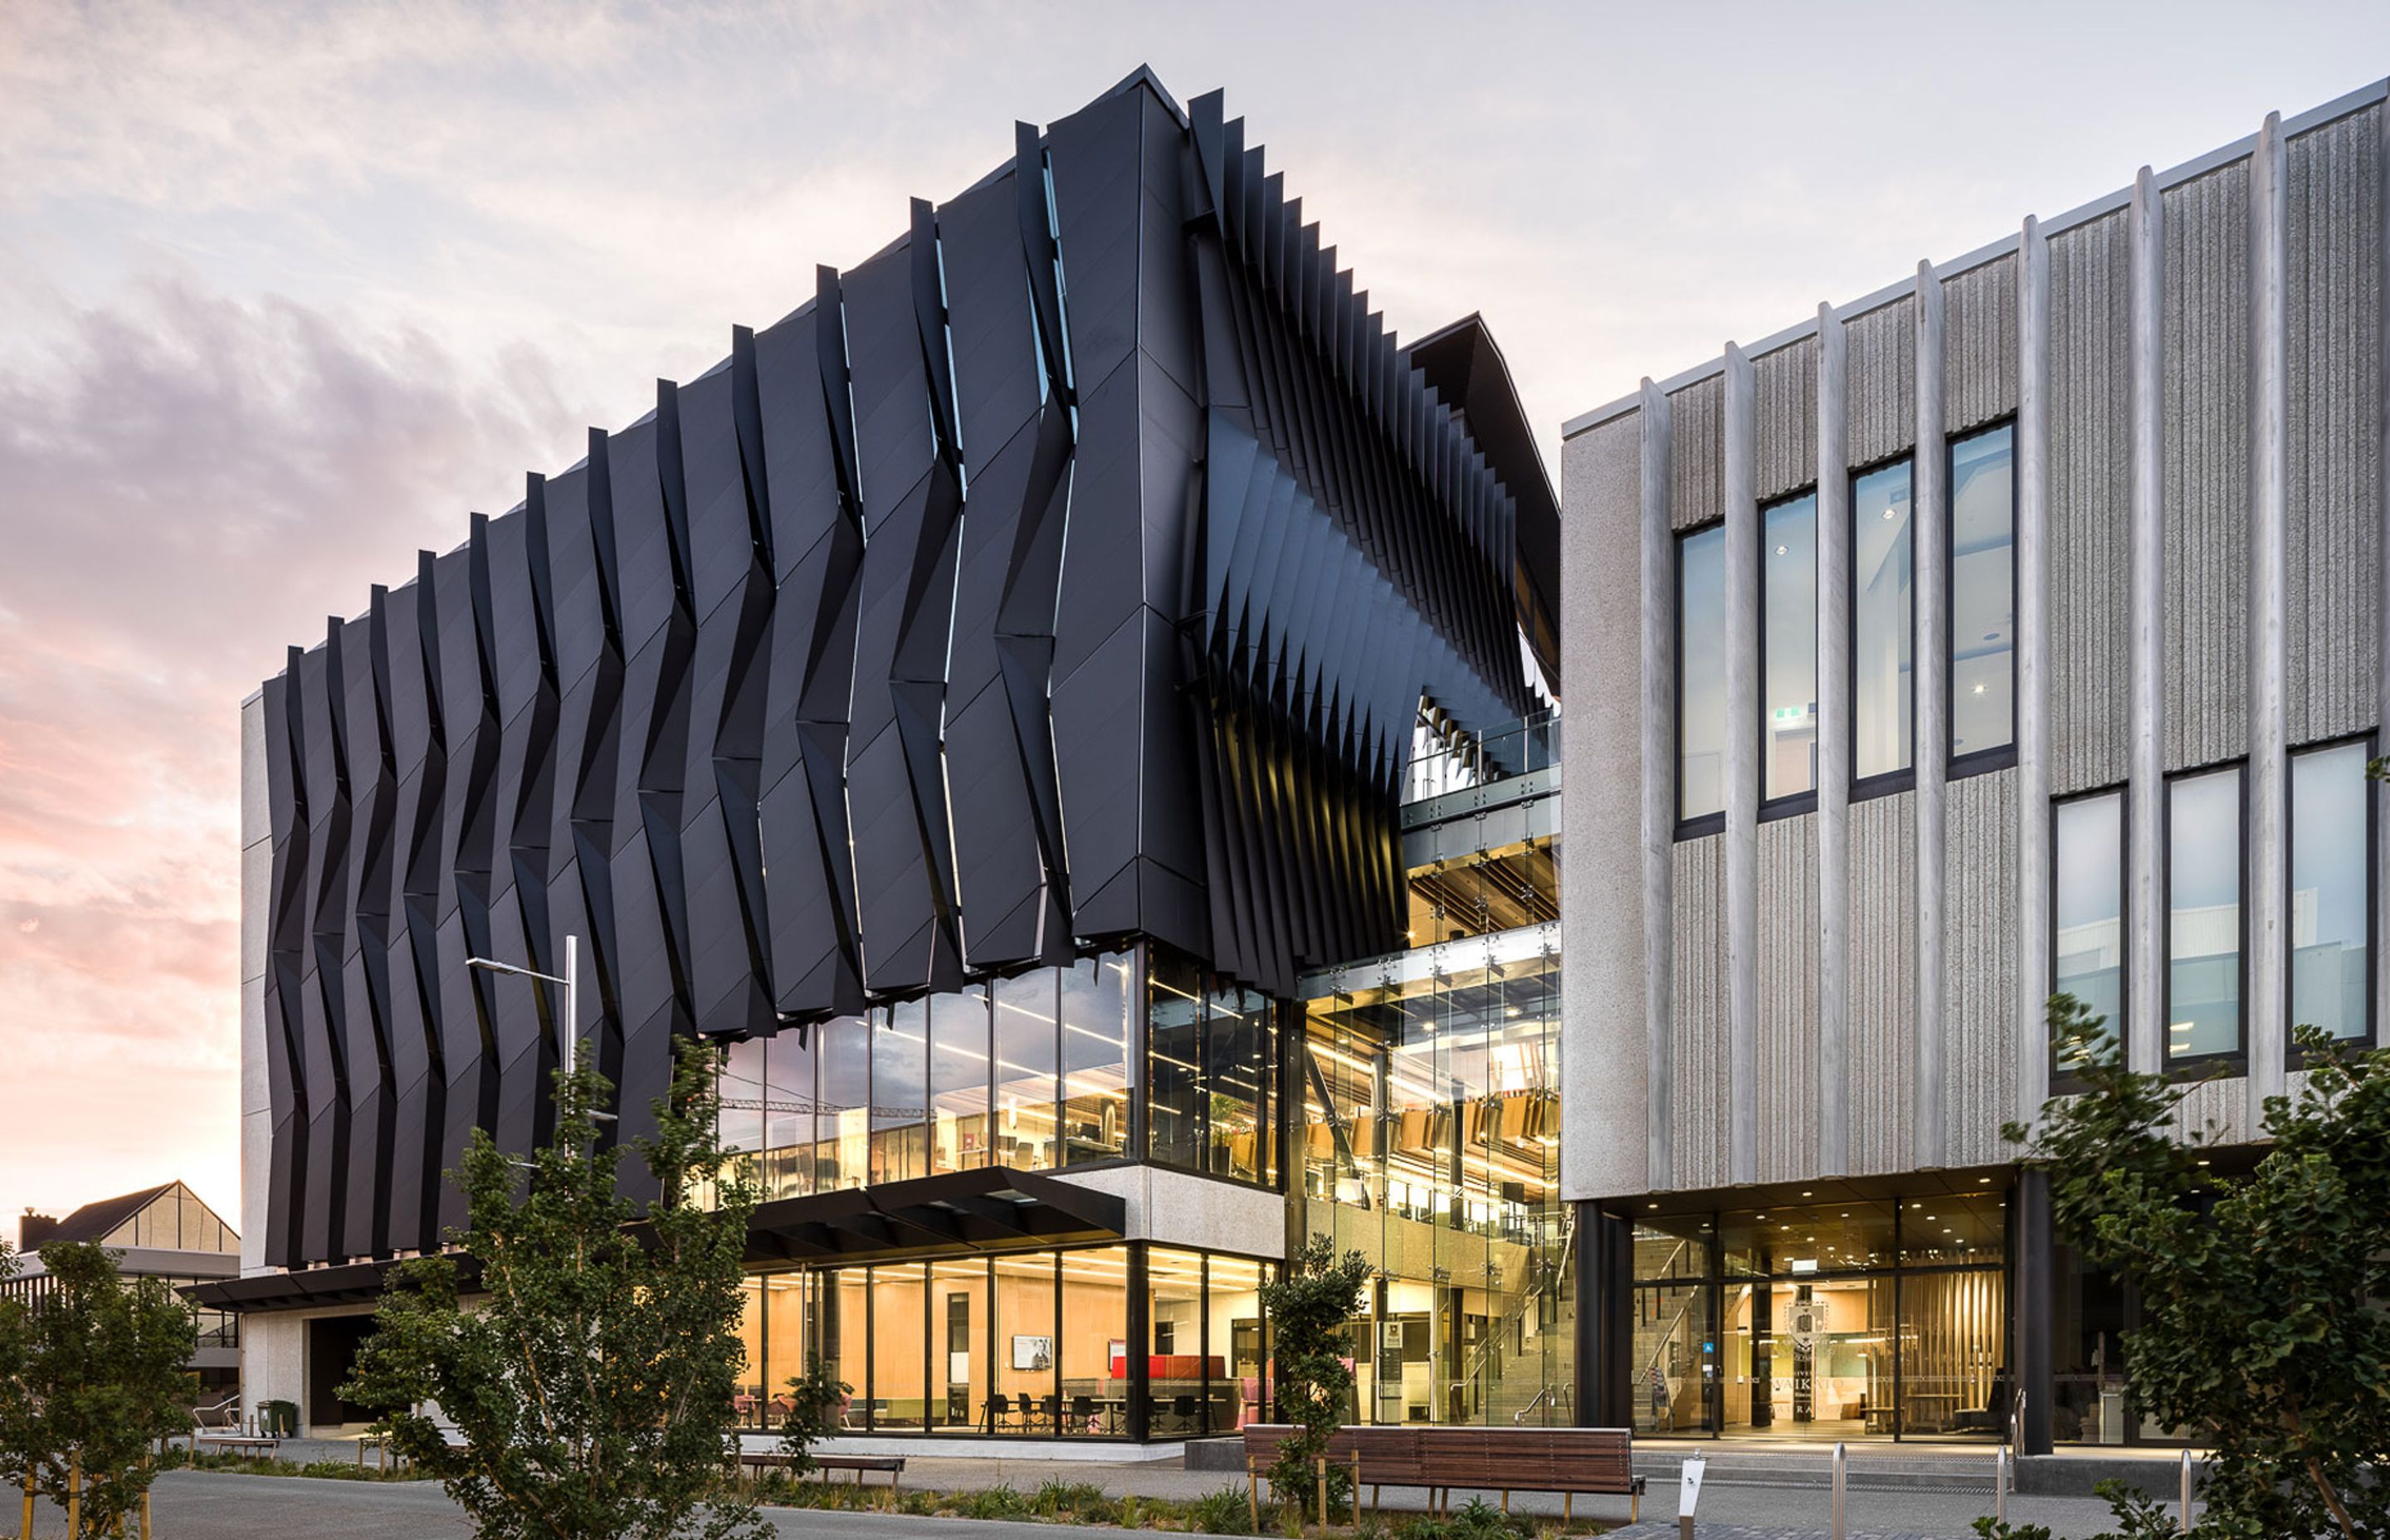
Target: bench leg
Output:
[(1568, 1501), (1506, 1502)]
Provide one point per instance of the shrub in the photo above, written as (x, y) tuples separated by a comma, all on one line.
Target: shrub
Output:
[(1000, 1501), (1227, 1511), (1055, 1498)]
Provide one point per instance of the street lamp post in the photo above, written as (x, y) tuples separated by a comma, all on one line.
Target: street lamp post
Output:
[(570, 983)]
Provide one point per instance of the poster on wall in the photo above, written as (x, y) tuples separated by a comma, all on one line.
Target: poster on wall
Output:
[(1035, 1354)]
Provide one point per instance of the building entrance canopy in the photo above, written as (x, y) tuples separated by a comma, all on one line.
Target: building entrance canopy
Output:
[(990, 1209)]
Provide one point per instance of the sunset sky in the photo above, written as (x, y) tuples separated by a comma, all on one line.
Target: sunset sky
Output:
[(286, 292)]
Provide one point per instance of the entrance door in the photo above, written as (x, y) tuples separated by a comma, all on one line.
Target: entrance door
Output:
[(332, 1345)]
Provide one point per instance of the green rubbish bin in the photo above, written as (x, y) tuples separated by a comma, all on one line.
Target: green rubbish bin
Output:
[(278, 1418)]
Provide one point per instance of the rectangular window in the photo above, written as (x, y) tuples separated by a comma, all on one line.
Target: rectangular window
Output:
[(1097, 997), (2088, 906), (1025, 1036), (1983, 593), (1788, 642), (1176, 1084), (2203, 915), (959, 1078), (1700, 677), (844, 1107), (1884, 618), (2331, 891), (900, 1090)]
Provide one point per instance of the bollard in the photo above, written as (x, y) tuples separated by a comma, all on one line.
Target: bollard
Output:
[(1688, 1493), (2186, 1491), (1841, 1455), (2001, 1484)]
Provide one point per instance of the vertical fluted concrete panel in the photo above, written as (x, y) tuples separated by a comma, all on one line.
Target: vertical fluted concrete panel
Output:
[(2090, 523), (1788, 998), (2334, 534), (1882, 370), (2219, 1109), (1930, 521), (1979, 357), (1785, 386), (1696, 454), (1742, 763), (1834, 748), (1658, 823), (1700, 1066), (2266, 901), (1979, 965), (2145, 475), (2032, 910), (1882, 983), (2206, 404), (1604, 1152)]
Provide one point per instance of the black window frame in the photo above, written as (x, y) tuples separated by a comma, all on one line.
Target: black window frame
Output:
[(2192, 1065), (2370, 742), (1977, 762), (2063, 1080), (1797, 802), (1884, 783), (1699, 824)]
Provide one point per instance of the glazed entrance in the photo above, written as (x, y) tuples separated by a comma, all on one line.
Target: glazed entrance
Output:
[(1839, 1320)]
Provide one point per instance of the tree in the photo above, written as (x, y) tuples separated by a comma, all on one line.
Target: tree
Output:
[(1308, 1306), (814, 1398), (93, 1375), (591, 1381), (2263, 1295)]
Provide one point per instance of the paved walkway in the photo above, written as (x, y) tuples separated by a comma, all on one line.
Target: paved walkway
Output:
[(201, 1505)]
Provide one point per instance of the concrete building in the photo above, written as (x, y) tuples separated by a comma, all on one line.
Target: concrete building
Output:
[(2018, 628)]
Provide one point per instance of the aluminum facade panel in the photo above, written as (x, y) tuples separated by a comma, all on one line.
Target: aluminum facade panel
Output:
[(1073, 570), (2091, 527), (1882, 983), (1979, 354), (2332, 630), (2206, 436), (1881, 368)]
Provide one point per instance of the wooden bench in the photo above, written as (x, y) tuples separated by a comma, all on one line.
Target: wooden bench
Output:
[(763, 1460), (266, 1442), (1566, 1460)]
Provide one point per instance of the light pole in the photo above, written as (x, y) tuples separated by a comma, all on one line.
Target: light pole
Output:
[(571, 1034)]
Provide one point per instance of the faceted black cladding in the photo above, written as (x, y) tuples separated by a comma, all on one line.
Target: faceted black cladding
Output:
[(1076, 568)]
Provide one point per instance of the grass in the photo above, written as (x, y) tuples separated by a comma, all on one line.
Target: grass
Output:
[(178, 1457), (1084, 1505)]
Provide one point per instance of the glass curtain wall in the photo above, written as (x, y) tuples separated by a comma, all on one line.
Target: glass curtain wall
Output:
[(1029, 1344), (1430, 1145), (991, 1073), (1834, 1320), (1211, 1057)]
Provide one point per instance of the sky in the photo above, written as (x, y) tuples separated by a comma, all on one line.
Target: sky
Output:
[(287, 290)]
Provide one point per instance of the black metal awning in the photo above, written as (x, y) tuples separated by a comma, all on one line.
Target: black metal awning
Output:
[(351, 1283), (962, 1211), (998, 1209)]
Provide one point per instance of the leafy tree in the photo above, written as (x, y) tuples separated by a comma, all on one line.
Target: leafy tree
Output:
[(591, 1381), (92, 1377), (1308, 1306), (2262, 1295), (815, 1397)]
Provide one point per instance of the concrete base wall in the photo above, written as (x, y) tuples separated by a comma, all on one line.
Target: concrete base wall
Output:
[(1175, 1209)]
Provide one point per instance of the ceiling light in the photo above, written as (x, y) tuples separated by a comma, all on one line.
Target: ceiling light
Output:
[(1780, 550), (1979, 689), (1887, 513)]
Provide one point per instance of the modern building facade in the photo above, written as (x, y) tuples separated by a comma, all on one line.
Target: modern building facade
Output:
[(165, 1232), (2016, 628), (983, 704), (1072, 712)]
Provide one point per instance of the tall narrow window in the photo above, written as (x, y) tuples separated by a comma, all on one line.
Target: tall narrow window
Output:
[(1701, 680), (1788, 640), (1883, 623), (1983, 593), (2088, 906), (2332, 894), (2203, 915)]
